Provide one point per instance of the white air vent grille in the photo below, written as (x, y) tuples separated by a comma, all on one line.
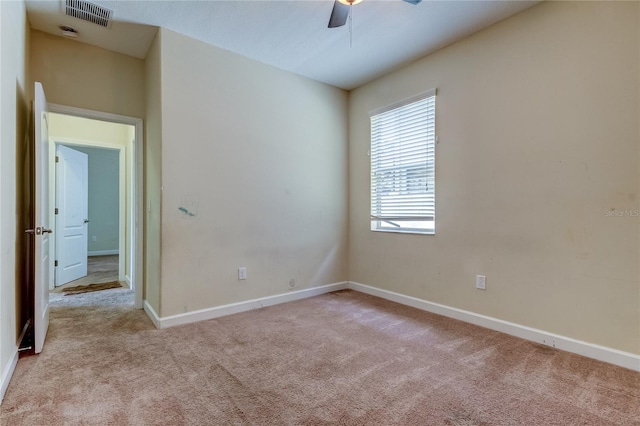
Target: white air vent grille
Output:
[(89, 12)]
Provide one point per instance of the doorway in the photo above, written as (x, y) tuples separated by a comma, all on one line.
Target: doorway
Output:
[(90, 209), (109, 135)]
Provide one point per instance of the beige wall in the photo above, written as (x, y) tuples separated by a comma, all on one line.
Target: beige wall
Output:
[(152, 174), (85, 130), (83, 76), (258, 156), (14, 109), (537, 118)]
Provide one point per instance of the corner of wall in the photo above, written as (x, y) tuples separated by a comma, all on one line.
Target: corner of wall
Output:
[(153, 176)]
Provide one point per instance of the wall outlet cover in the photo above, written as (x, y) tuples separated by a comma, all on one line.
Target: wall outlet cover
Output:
[(481, 282)]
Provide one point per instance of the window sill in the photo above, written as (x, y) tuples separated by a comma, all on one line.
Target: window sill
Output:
[(407, 231)]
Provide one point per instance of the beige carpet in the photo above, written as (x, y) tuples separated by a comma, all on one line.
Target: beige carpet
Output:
[(343, 358)]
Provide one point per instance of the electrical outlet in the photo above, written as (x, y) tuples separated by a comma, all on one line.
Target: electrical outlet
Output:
[(242, 273), (481, 282), (94, 238)]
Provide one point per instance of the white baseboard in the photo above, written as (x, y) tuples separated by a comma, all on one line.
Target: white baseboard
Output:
[(7, 373), (601, 353), (151, 313), (127, 280), (102, 252), (234, 308)]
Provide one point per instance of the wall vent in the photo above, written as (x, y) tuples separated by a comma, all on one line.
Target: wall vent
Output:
[(89, 12)]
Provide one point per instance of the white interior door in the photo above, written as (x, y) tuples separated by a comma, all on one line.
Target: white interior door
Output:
[(43, 265), (72, 176)]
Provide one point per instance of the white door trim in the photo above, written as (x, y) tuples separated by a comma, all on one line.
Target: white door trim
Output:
[(136, 200)]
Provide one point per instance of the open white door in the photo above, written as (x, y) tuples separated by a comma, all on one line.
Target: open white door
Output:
[(43, 265), (72, 190)]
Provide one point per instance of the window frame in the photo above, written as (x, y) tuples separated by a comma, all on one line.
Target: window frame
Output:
[(401, 185)]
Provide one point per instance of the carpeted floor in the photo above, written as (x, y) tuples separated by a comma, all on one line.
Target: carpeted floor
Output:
[(343, 358)]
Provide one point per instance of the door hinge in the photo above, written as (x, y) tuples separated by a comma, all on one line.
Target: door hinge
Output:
[(56, 211), (57, 159), (55, 263)]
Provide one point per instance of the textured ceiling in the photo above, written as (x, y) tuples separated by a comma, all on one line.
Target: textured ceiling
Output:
[(291, 35)]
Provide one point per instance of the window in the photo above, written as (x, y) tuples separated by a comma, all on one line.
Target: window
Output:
[(403, 166)]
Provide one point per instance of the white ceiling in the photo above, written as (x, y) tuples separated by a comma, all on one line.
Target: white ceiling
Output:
[(290, 34)]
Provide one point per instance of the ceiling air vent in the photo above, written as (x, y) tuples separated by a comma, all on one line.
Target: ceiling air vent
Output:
[(89, 12)]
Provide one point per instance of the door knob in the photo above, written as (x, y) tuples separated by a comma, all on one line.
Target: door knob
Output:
[(38, 231), (86, 221)]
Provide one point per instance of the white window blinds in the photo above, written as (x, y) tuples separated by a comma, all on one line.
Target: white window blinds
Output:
[(403, 166)]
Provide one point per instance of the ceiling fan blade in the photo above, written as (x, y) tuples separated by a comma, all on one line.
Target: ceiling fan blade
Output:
[(413, 1), (339, 15)]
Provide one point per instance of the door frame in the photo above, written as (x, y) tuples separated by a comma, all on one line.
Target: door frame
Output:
[(122, 184), (136, 201)]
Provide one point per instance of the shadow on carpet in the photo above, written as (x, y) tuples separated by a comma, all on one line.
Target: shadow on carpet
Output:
[(69, 291)]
